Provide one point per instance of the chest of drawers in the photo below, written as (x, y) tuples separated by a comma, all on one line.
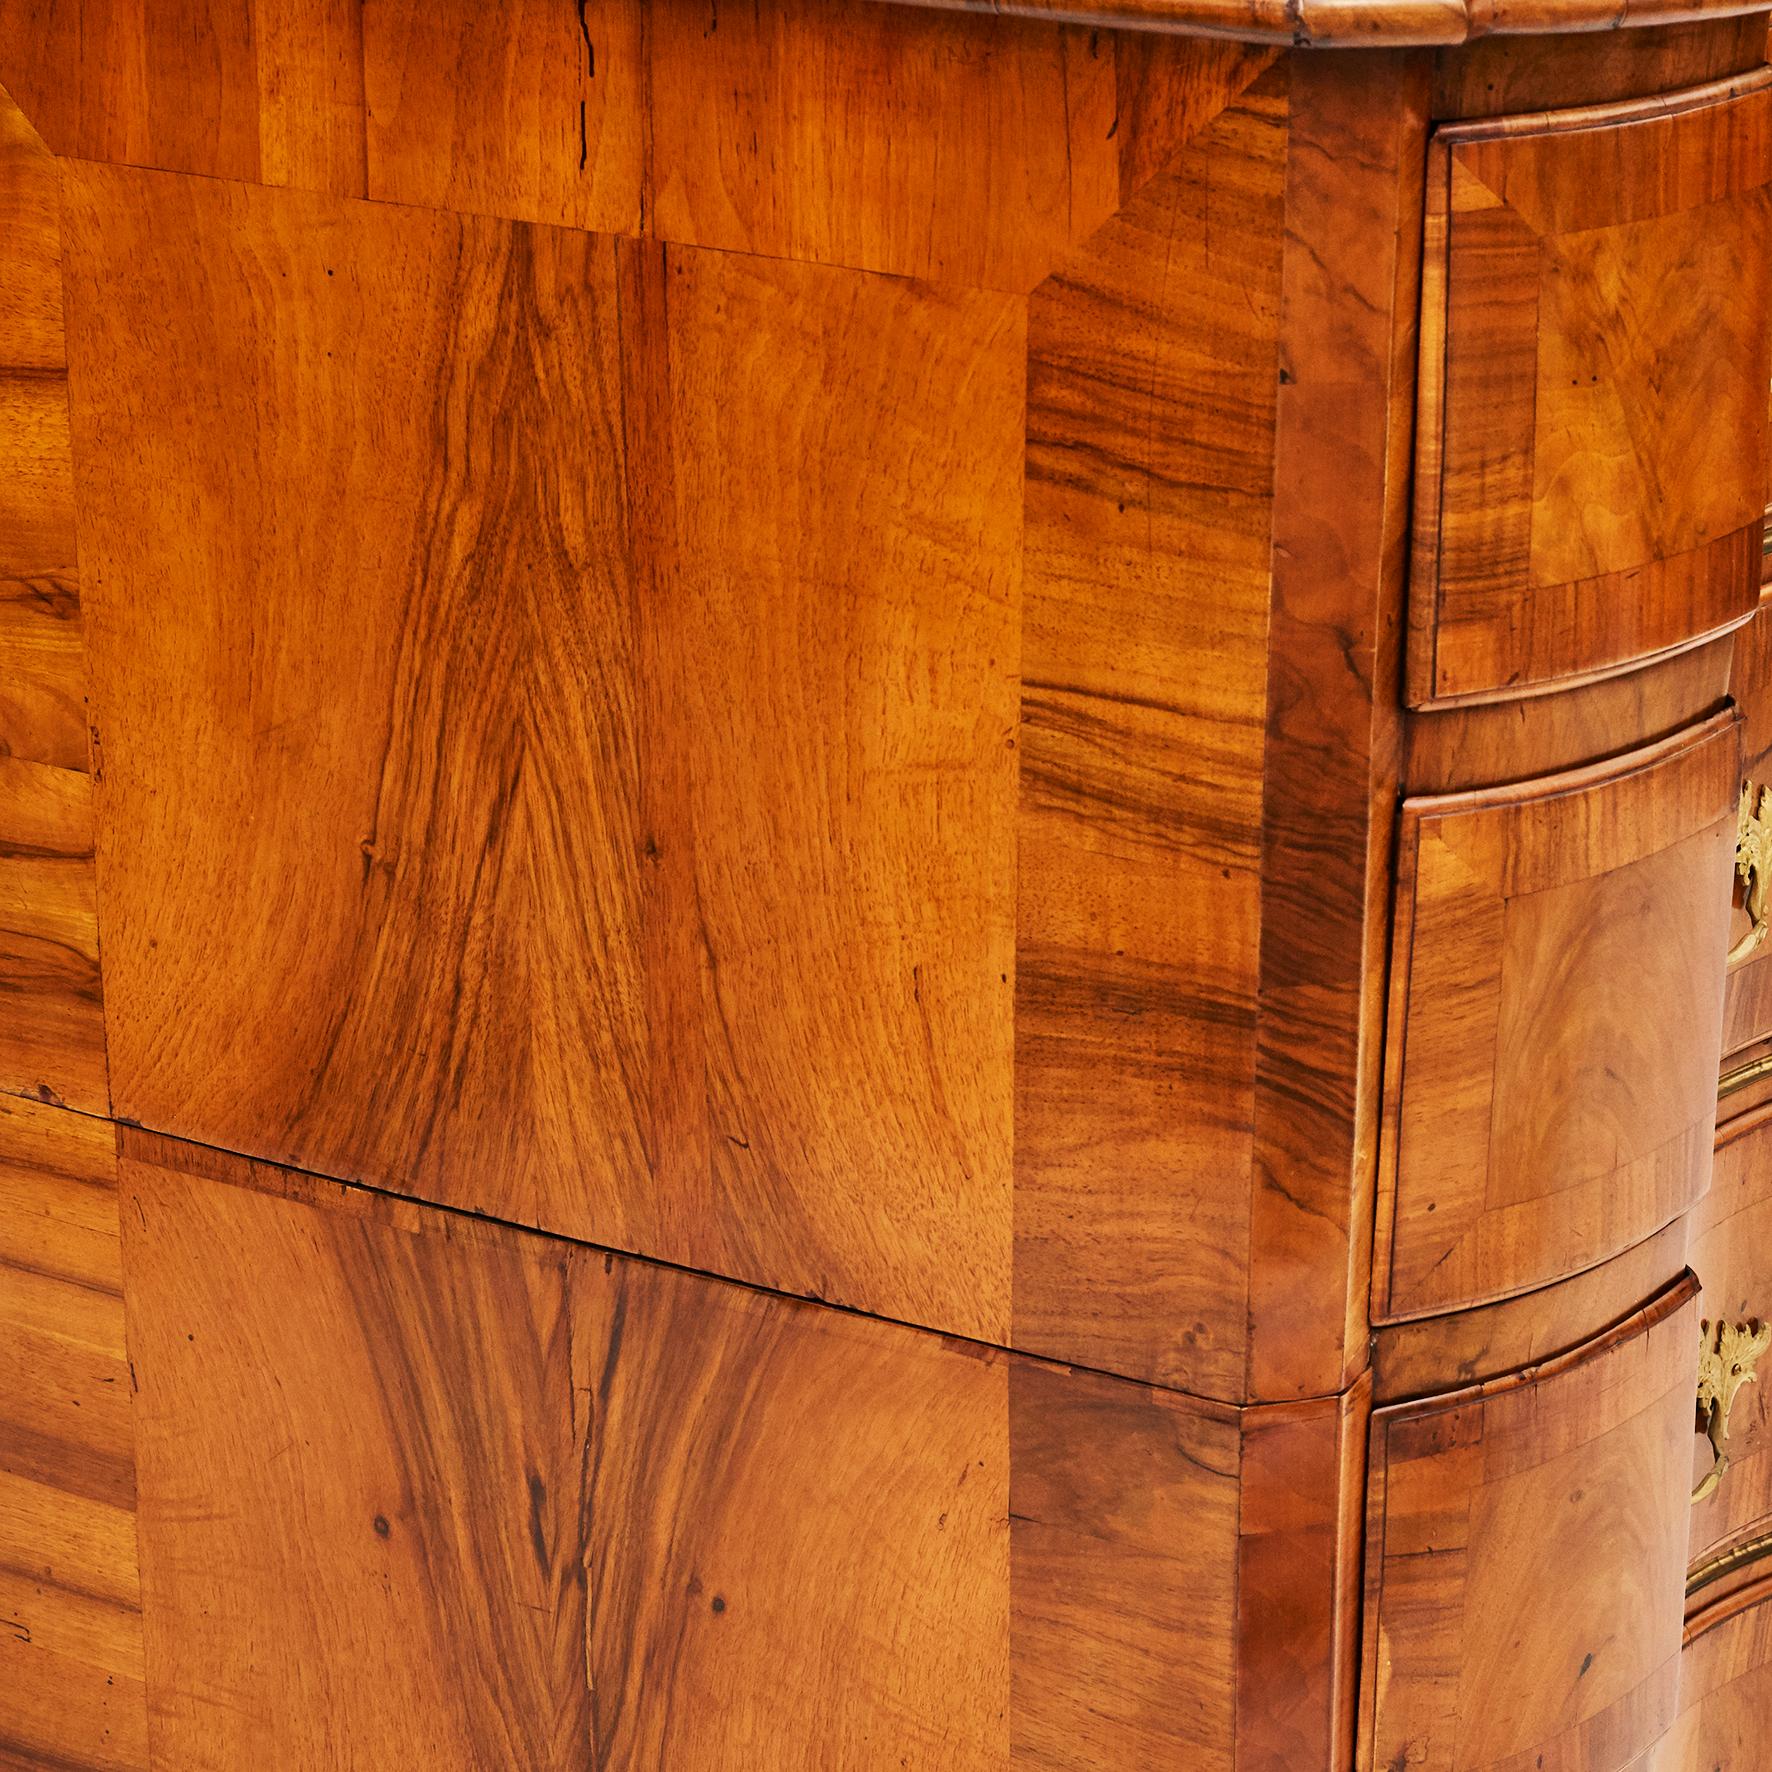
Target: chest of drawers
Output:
[(870, 884)]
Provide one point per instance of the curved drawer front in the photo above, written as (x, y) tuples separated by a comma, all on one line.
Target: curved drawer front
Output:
[(1555, 1020), (1526, 1548), (1591, 465), (1725, 1686)]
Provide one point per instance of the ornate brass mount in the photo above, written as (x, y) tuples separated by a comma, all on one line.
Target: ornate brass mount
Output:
[(1753, 862), (1727, 1355)]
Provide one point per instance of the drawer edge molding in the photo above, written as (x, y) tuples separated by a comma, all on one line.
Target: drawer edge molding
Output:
[(1573, 1653), (1574, 516), (1557, 967)]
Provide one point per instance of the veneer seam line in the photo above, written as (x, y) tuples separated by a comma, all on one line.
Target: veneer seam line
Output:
[(471, 1213)]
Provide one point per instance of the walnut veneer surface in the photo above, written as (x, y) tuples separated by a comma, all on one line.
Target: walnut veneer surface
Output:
[(865, 885)]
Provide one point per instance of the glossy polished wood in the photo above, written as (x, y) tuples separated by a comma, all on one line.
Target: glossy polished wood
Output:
[(1139, 878), (1544, 549), (860, 1543), (1367, 23), (42, 716), (756, 663), (1487, 744), (932, 839), (473, 785), (1330, 756), (1725, 1688), (52, 1039), (1556, 1020), (901, 141), (1525, 1549), (1422, 1355), (344, 1380), (71, 1672), (1515, 74)]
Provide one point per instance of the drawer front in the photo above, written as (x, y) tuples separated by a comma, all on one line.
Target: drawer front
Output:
[(1591, 467), (1732, 1255), (1556, 1006), (1526, 1549), (1725, 1687)]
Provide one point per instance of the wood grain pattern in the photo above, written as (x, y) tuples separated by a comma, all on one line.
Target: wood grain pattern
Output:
[(1147, 543), (1298, 1563), (808, 1566), (1499, 76), (533, 111), (897, 140), (473, 1495), (836, 634), (52, 1035), (1330, 732), (1116, 1489), (1371, 24), (451, 734), (71, 1691), (835, 132), (267, 90), (1485, 744), (1725, 1690), (1526, 1559), (1577, 507), (418, 673), (377, 1557), (1747, 1001), (42, 676), (640, 796), (1750, 682), (51, 1012), (1556, 1021), (772, 641), (1427, 1354)]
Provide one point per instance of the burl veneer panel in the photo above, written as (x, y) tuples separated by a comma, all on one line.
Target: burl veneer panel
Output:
[(1556, 999), (71, 1692), (1526, 1560), (1592, 464), (649, 882), (421, 1490), (52, 1042)]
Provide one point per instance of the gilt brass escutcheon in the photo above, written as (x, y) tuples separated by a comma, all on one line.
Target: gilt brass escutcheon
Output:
[(1727, 1356), (1753, 862)]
